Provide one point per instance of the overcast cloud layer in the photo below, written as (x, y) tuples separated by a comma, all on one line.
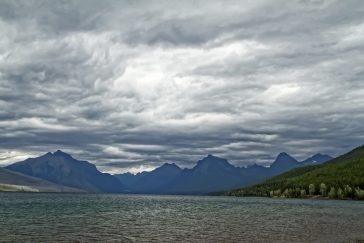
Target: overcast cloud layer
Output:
[(130, 85)]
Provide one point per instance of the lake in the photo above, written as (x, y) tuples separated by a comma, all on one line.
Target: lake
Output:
[(47, 217)]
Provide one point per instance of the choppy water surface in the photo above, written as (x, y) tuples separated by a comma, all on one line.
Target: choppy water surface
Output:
[(136, 218)]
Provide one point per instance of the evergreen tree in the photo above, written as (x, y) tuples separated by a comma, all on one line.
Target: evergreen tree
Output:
[(297, 192), (285, 193), (323, 189), (278, 193), (340, 193), (358, 193), (348, 191), (332, 193), (311, 189)]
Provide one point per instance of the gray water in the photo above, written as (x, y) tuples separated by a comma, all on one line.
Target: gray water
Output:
[(54, 217)]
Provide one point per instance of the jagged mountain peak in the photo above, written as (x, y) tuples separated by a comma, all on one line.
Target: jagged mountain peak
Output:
[(62, 154), (170, 165), (212, 165), (321, 155), (58, 153), (284, 157), (284, 162), (317, 159), (61, 168), (253, 166), (211, 159)]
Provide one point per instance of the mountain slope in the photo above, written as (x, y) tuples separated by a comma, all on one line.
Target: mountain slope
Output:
[(347, 169), (284, 162), (210, 174), (317, 159), (14, 181), (153, 181), (128, 179), (61, 168)]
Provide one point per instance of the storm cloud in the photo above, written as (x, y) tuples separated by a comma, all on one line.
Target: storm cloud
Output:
[(129, 85)]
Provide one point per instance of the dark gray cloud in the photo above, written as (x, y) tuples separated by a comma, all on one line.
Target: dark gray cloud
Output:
[(130, 85)]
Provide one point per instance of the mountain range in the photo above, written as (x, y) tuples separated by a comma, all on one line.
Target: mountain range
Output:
[(59, 171), (209, 175)]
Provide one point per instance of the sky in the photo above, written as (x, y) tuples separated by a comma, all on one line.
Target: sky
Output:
[(130, 85)]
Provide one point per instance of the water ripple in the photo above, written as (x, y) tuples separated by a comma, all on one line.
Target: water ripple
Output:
[(140, 218)]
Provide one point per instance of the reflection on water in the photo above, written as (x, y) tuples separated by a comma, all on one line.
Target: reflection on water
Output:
[(137, 218)]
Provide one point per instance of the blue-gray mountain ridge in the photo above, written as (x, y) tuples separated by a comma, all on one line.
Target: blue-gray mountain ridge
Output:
[(61, 168), (210, 174)]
